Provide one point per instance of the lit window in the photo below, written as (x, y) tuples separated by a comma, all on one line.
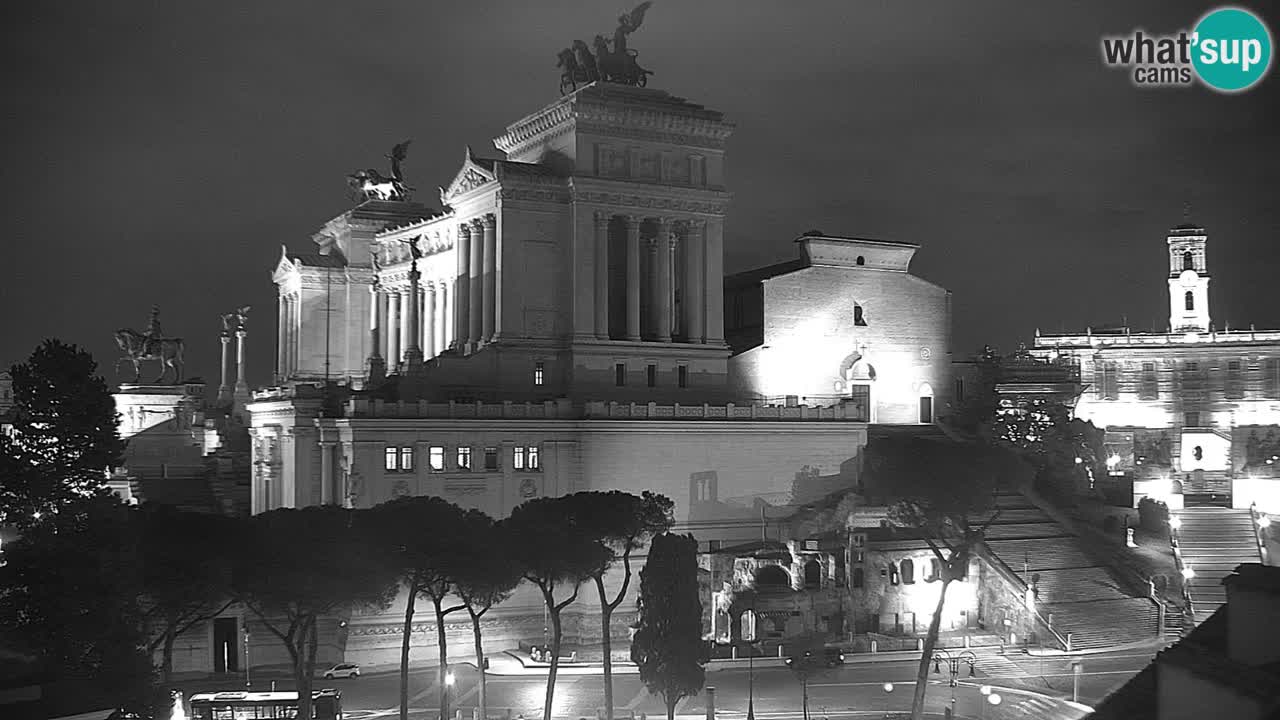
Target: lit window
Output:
[(406, 459), (490, 458), (517, 462), (464, 458), (682, 376), (392, 459), (908, 572), (538, 369), (620, 374), (1189, 300), (857, 316), (436, 456), (651, 373), (535, 462)]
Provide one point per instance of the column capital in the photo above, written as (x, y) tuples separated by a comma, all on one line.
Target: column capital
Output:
[(477, 225), (698, 224), (602, 218), (241, 333), (464, 228), (652, 244), (631, 220), (489, 220)]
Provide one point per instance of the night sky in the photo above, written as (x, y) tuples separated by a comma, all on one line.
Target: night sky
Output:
[(161, 152)]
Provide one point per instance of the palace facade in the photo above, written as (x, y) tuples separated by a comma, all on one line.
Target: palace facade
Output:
[(1191, 414)]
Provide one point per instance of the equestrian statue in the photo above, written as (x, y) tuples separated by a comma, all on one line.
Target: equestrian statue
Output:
[(612, 62), (151, 345), (369, 184)]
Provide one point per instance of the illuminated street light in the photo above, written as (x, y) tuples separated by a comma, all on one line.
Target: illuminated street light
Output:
[(448, 679), (993, 698), (1264, 521), (1175, 522), (985, 689), (1188, 572), (888, 687)]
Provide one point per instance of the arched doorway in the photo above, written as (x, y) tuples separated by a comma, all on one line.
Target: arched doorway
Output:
[(772, 577), (812, 575)]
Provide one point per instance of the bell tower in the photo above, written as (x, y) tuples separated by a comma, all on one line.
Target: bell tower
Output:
[(1188, 279)]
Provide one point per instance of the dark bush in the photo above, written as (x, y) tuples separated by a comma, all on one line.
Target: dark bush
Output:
[(1153, 514)]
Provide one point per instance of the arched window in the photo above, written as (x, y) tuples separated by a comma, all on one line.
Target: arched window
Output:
[(935, 570), (861, 260), (812, 575), (857, 316), (859, 578), (1190, 300), (1188, 261), (772, 577), (908, 572)]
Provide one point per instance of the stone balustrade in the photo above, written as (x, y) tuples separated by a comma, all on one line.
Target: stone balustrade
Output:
[(1048, 342), (563, 409)]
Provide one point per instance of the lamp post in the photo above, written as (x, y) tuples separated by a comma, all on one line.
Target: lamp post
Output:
[(953, 666), (751, 668), (448, 684), (247, 684)]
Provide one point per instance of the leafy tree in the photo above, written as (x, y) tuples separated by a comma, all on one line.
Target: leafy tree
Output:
[(69, 593), (64, 439), (553, 551), (940, 486), (186, 574), (621, 523), (488, 575), (426, 541), (668, 643), (301, 565)]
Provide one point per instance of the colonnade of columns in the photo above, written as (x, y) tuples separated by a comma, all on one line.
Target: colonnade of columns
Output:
[(412, 317), (476, 309), (289, 326), (651, 283)]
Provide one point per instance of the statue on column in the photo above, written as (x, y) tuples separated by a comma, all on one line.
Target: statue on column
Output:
[(150, 345)]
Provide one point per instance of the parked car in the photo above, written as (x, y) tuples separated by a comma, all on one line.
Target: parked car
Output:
[(828, 657), (342, 670)]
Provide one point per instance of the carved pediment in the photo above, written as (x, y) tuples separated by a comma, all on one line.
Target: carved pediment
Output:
[(284, 267), (470, 176)]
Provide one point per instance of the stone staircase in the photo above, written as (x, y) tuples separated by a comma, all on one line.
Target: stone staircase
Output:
[(1075, 592), (1212, 542), (1210, 486)]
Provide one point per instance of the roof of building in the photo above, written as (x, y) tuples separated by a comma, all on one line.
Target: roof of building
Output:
[(750, 277), (333, 260), (189, 494)]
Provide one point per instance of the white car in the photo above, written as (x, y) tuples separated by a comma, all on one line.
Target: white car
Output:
[(342, 670)]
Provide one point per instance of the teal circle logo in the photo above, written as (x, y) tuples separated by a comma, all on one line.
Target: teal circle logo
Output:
[(1231, 49)]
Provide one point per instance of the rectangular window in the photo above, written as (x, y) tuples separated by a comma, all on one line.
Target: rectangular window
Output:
[(651, 374), (620, 374), (959, 390), (926, 410), (538, 369), (1149, 389), (1233, 388), (1191, 419), (517, 460), (533, 456), (1271, 378), (490, 458), (392, 459), (1107, 381), (406, 459), (682, 376), (436, 458), (464, 458)]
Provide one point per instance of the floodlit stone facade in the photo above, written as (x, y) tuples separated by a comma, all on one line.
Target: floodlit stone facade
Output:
[(1193, 412)]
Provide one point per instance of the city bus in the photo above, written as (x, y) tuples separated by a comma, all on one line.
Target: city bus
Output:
[(325, 704)]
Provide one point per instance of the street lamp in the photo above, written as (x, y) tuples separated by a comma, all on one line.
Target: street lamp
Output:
[(751, 667), (448, 684), (247, 684), (953, 666)]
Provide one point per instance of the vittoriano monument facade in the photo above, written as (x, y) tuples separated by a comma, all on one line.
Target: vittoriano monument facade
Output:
[(558, 325)]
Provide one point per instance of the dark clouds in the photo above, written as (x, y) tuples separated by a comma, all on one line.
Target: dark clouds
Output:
[(161, 152)]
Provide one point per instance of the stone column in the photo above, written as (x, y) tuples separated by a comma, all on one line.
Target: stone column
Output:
[(429, 320), (406, 321), (242, 386), (393, 328), (444, 327), (462, 289), (694, 297), (282, 339), (377, 367), (328, 493), (293, 335), (714, 274), (602, 275), (490, 224), (633, 277), (224, 391), (475, 318), (666, 245), (412, 320)]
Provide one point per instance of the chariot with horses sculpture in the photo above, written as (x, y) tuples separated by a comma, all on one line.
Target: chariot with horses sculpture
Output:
[(139, 347), (611, 61)]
